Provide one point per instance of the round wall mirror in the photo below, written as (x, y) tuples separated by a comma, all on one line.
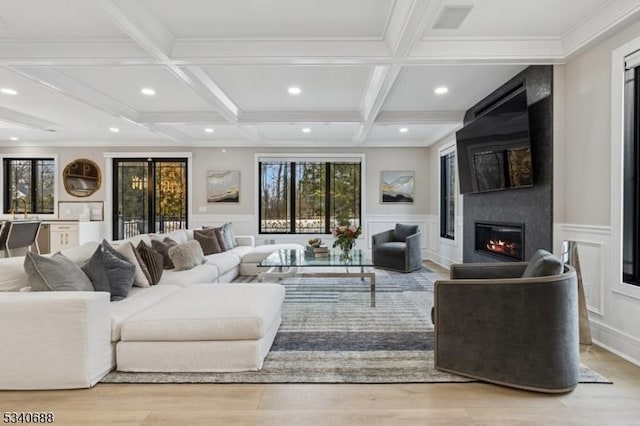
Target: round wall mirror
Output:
[(81, 177)]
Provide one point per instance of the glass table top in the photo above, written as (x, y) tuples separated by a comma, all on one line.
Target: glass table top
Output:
[(290, 258)]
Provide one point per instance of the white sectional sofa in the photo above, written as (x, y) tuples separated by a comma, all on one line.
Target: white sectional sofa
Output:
[(192, 320)]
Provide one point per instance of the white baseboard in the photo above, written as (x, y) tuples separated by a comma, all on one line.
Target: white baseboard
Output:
[(619, 343)]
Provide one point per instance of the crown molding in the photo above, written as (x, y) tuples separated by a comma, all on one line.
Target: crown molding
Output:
[(608, 18), (493, 50)]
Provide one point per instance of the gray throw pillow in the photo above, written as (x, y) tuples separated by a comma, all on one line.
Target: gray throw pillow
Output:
[(543, 264), (403, 231), (208, 240), (121, 274), (55, 273), (163, 247), (95, 270), (229, 236), (187, 255), (222, 241)]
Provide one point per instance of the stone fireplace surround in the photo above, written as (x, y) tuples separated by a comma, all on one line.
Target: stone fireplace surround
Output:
[(532, 207)]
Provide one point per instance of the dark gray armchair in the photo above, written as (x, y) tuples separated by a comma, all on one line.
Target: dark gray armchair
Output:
[(509, 324), (398, 249)]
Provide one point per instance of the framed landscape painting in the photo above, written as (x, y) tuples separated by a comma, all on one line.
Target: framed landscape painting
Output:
[(223, 186), (397, 187)]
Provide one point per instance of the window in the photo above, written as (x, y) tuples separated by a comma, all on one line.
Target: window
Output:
[(631, 187), (150, 195), (308, 196), (448, 195), (29, 183)]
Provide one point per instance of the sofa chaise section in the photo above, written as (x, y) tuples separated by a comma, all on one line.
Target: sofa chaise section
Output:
[(203, 328)]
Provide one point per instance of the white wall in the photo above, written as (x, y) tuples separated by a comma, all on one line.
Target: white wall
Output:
[(583, 191), (377, 216)]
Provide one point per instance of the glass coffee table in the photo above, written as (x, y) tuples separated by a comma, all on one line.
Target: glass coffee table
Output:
[(286, 263)]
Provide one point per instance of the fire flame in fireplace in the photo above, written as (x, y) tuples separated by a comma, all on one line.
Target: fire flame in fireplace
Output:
[(503, 247)]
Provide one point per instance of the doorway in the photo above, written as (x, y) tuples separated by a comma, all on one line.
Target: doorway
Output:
[(149, 195)]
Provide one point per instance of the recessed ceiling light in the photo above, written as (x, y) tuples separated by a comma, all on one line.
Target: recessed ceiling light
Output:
[(148, 91), (294, 90), (403, 129), (441, 90), (114, 129), (209, 130), (13, 138), (8, 91), (306, 130)]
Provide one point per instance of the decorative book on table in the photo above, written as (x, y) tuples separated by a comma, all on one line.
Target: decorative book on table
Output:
[(317, 251)]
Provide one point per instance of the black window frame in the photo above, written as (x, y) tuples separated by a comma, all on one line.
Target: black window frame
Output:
[(8, 201), (292, 185), (447, 177), (631, 180)]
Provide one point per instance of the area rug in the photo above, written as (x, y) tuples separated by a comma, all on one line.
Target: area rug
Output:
[(331, 333)]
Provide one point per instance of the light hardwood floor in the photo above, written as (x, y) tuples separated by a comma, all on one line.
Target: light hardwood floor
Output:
[(298, 404)]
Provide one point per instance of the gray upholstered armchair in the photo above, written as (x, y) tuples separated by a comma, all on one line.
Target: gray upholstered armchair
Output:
[(514, 324), (398, 249)]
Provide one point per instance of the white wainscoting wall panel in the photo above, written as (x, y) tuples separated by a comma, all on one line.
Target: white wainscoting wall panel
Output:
[(609, 311), (593, 243), (375, 224), (443, 251)]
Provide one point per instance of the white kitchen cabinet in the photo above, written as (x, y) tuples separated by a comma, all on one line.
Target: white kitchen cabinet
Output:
[(62, 235)]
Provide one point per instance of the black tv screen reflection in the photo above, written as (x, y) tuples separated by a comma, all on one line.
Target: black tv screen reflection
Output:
[(494, 150)]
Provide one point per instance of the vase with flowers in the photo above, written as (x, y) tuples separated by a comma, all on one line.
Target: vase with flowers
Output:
[(345, 234)]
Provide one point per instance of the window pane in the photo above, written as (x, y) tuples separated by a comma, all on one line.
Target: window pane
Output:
[(447, 196), (171, 196), (302, 185), (18, 184), (274, 198), (44, 186), (345, 193), (132, 198), (310, 197)]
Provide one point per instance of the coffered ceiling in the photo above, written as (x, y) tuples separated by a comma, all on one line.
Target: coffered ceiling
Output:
[(221, 70)]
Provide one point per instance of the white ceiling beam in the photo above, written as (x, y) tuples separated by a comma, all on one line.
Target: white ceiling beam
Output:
[(374, 86), (289, 117), (169, 132), (202, 84), (420, 117), (414, 24), (182, 117), (139, 23), (136, 20), (254, 134), (298, 52), (25, 120)]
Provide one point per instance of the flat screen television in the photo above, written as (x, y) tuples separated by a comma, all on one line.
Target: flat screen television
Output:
[(494, 150)]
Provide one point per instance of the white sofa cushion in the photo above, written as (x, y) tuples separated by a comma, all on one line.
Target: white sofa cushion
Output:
[(224, 261), (180, 236), (137, 300), (208, 312), (13, 277), (206, 273), (240, 251)]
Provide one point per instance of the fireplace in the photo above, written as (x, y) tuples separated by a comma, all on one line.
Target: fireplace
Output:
[(504, 240)]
